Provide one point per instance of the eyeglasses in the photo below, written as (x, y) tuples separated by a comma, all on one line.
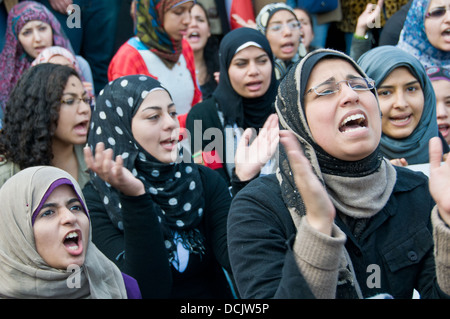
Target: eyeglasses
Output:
[(72, 100), (278, 27), (436, 13), (329, 87)]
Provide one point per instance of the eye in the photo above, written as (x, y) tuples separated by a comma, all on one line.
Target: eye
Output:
[(384, 93), (173, 114), (76, 208), (26, 32), (69, 101), (46, 213), (275, 27)]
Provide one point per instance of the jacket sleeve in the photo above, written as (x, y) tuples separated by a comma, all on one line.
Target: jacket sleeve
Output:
[(139, 249), (190, 63), (261, 247), (218, 201), (127, 61)]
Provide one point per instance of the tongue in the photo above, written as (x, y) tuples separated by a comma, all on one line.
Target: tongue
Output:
[(71, 243)]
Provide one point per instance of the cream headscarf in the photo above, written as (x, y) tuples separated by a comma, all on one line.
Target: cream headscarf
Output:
[(23, 272)]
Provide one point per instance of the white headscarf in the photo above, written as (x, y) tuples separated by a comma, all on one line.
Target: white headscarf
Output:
[(23, 272)]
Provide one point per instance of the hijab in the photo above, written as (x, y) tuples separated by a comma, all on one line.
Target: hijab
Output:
[(150, 28), (244, 112), (378, 63), (262, 20), (175, 189), (50, 52), (13, 59), (23, 272), (414, 40), (357, 188)]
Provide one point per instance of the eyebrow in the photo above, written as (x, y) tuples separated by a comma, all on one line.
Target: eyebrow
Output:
[(157, 108), (406, 84), (70, 201), (74, 94)]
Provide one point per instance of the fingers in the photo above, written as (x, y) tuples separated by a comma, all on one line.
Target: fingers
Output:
[(297, 159), (435, 152)]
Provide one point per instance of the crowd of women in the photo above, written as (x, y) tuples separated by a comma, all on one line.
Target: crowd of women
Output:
[(253, 165)]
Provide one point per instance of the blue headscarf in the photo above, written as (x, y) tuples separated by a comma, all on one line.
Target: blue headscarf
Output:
[(378, 63), (414, 40)]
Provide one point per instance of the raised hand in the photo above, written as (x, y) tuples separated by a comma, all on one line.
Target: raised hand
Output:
[(250, 158), (439, 181), (320, 211), (112, 171)]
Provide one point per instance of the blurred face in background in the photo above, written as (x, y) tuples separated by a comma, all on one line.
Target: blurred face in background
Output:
[(283, 33), (250, 72), (437, 24), (35, 36), (199, 29), (306, 28)]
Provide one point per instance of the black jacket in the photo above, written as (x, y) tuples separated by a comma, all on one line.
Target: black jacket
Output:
[(139, 250), (398, 240)]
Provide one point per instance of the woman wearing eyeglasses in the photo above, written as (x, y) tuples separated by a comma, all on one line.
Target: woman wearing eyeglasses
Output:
[(46, 122), (338, 220), (279, 23), (426, 32), (407, 102)]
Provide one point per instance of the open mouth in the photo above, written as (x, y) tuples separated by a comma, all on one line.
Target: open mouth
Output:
[(82, 128), (287, 47), (254, 85), (194, 35), (72, 241), (401, 119), (169, 144), (444, 129), (353, 122), (446, 32)]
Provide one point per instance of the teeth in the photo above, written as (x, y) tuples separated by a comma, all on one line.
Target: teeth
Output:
[(71, 235), (402, 119), (353, 118), (73, 247)]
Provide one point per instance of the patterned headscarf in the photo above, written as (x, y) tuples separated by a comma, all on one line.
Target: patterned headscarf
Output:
[(357, 188), (414, 40), (378, 63), (262, 20), (13, 59), (150, 28), (23, 272), (53, 51), (176, 188)]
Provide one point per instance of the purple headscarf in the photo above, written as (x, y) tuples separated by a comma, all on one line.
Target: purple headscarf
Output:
[(13, 59)]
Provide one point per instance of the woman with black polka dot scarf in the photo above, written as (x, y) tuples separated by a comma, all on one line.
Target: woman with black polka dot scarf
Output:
[(157, 216)]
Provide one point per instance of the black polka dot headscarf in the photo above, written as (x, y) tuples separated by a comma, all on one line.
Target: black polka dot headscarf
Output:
[(175, 189)]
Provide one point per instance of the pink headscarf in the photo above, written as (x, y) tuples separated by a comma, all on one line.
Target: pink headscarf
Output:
[(48, 53), (13, 59)]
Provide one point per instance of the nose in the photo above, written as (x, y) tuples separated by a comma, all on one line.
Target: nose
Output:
[(349, 95), (169, 122), (286, 30), (441, 111), (67, 217), (37, 35), (83, 107), (186, 18), (253, 68), (400, 100)]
